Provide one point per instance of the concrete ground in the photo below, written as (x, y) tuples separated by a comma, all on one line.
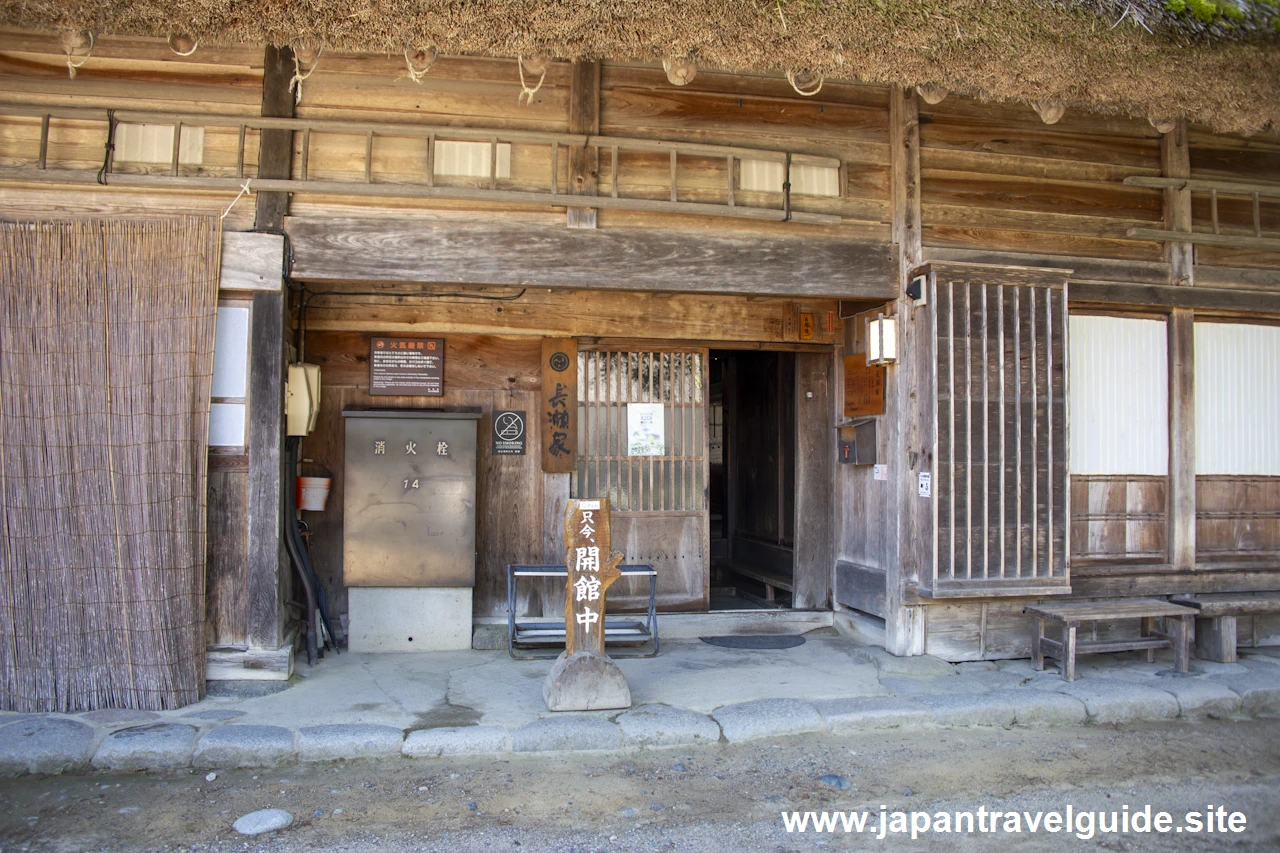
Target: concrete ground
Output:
[(483, 702)]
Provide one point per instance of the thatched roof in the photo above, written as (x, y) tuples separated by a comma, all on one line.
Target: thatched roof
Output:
[(1222, 69)]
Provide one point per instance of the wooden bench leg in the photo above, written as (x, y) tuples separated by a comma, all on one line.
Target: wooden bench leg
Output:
[(1069, 652), (768, 593), (1216, 639), (1037, 650), (1181, 642), (1148, 625)]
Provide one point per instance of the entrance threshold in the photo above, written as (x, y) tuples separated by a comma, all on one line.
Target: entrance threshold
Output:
[(490, 632)]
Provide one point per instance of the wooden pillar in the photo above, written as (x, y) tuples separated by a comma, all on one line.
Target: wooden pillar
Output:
[(1175, 162), (267, 562), (584, 117), (907, 398), (1182, 440), (814, 520)]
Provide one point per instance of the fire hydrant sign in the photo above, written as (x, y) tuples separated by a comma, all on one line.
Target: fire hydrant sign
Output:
[(592, 570), (406, 367)]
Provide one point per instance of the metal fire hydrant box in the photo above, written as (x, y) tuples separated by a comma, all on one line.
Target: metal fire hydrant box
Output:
[(409, 499)]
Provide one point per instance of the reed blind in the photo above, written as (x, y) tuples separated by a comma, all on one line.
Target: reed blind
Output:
[(1000, 467), (610, 381), (106, 358)]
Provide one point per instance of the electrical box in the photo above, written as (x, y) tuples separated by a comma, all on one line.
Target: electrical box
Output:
[(302, 398), (857, 444), (409, 499)]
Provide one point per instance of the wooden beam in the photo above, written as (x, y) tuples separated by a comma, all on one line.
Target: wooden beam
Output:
[(1175, 162), (266, 431), (1227, 241), (584, 162), (1167, 296), (904, 160), (275, 153), (1084, 269), (540, 256), (815, 528), (1182, 440)]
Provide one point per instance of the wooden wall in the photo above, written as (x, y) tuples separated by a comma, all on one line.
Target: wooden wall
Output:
[(1254, 159), (1237, 518), (994, 176), (1119, 517)]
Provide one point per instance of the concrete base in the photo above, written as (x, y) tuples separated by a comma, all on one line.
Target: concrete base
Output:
[(409, 619), (585, 682)]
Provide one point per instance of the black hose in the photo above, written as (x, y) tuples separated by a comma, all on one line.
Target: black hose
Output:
[(290, 542), (298, 552)]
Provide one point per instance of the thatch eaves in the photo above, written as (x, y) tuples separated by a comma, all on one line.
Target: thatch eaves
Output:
[(1137, 58)]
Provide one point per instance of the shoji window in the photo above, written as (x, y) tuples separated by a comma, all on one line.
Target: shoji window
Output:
[(230, 376), (1119, 438), (999, 478), (1237, 382)]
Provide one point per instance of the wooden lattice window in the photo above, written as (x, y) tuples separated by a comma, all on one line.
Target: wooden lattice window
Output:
[(1000, 477), (608, 381)]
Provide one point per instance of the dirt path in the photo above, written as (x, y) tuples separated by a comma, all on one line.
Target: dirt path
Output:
[(723, 798)]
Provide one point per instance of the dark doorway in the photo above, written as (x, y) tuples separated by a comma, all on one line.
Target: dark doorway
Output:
[(752, 468)]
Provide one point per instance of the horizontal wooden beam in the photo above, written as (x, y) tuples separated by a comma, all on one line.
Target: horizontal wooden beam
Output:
[(1229, 241), (607, 258), (1083, 268), (251, 261), (1168, 296), (1234, 188)]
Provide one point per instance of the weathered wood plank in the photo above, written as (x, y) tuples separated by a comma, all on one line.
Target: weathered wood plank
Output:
[(472, 362), (1182, 440), (251, 261), (265, 435), (584, 117), (1166, 296), (1175, 162), (526, 255), (814, 481), (228, 543), (249, 664)]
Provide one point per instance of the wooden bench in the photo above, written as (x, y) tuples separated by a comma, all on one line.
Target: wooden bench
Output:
[(1216, 622), (1071, 615)]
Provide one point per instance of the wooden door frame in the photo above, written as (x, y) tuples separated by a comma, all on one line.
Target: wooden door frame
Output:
[(814, 555)]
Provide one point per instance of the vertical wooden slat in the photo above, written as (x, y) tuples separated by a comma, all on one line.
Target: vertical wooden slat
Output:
[(431, 160), (1017, 426), (1003, 415), (613, 172), (986, 443), (555, 167), (1048, 424), (1213, 209), (368, 157), (44, 142), (306, 151), (951, 393), (1033, 346), (933, 332), (729, 165), (493, 163), (177, 147), (673, 174), (1257, 215), (968, 429)]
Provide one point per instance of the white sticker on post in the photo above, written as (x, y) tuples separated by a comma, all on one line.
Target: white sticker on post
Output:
[(588, 504), (880, 472), (926, 484)]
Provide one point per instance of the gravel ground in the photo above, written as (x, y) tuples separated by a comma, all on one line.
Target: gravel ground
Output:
[(716, 799)]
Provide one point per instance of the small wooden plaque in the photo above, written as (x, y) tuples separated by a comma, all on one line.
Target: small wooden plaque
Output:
[(558, 412), (863, 387)]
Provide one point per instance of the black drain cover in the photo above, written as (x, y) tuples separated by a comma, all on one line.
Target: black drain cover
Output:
[(756, 641)]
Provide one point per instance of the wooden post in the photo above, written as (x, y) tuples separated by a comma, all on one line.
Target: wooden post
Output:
[(1175, 162), (266, 559), (1037, 649), (1181, 643), (584, 162), (1069, 652), (908, 393), (275, 154), (1182, 440)]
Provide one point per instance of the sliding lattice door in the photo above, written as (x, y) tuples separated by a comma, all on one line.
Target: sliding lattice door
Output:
[(1000, 461), (659, 502)]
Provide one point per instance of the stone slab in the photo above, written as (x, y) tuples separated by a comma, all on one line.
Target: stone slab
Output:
[(905, 685), (1111, 701), (44, 745), (119, 716), (350, 741), (873, 712), (214, 715), (662, 725), (762, 718), (1200, 697), (1259, 691), (455, 740), (245, 746), (157, 746), (1043, 708), (887, 664), (569, 732), (970, 709)]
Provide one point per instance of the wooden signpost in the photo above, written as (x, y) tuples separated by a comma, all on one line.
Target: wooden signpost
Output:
[(584, 678), (559, 415)]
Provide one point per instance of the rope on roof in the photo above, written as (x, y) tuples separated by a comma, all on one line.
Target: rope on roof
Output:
[(420, 62), (74, 41), (535, 62), (295, 83), (804, 82)]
